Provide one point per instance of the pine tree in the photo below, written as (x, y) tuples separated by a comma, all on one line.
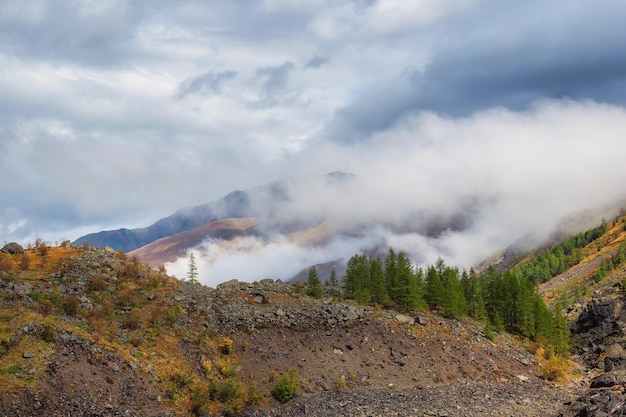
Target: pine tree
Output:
[(314, 285), (332, 281), (357, 279), (192, 273), (435, 293), (473, 294), (407, 294), (454, 302), (561, 338), (391, 274), (378, 289)]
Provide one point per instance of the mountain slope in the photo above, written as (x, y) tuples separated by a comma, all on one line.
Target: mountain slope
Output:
[(170, 248), (262, 203), (87, 331)]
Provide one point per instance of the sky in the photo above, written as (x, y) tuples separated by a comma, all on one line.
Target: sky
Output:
[(115, 114)]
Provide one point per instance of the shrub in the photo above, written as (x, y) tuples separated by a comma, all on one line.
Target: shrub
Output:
[(225, 367), (98, 283), (173, 314), (25, 262), (5, 262), (200, 399), (235, 396), (489, 333), (226, 346), (155, 312), (181, 378), (46, 307), (286, 387), (48, 331), (254, 396), (207, 365), (340, 383), (135, 338), (554, 369), (133, 320), (71, 304)]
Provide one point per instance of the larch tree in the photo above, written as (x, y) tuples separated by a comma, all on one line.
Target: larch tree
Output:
[(192, 272), (314, 285)]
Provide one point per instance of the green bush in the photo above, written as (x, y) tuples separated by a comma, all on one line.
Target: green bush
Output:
[(231, 393), (286, 387), (48, 331)]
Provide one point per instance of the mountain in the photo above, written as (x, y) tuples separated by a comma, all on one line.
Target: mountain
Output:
[(235, 204), (261, 202), (170, 248), (329, 214)]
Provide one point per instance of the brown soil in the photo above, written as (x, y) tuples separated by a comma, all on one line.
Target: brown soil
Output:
[(441, 368), (84, 382)]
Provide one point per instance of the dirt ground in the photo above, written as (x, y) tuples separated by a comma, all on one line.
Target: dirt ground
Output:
[(375, 367)]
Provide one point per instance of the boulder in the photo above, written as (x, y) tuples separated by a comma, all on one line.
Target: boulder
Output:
[(404, 319), (12, 248), (609, 379), (614, 358), (614, 363), (605, 311), (229, 285)]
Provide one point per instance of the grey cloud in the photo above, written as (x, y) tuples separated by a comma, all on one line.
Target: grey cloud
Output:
[(208, 83), (512, 64), (316, 62), (274, 78), (95, 34), (273, 82)]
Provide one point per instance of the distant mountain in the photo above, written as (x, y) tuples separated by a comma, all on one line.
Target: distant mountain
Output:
[(261, 203), (235, 204), (170, 248)]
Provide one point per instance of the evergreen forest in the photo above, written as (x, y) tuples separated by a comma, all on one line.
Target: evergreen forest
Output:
[(503, 300)]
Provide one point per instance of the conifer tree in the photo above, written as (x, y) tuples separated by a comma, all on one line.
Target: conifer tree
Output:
[(314, 285), (434, 288), (473, 294), (406, 291), (378, 289), (454, 302), (391, 274), (332, 281), (356, 280), (192, 273)]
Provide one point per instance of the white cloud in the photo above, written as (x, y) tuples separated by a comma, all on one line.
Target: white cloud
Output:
[(91, 122)]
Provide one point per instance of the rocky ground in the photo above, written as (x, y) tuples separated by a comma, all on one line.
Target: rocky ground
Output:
[(350, 360), (599, 340)]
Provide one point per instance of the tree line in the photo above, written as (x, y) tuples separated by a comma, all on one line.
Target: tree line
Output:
[(504, 301), (560, 257)]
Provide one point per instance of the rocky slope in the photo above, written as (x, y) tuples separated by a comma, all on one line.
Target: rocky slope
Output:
[(88, 331)]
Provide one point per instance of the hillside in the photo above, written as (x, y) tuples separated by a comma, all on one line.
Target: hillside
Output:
[(170, 248), (87, 331)]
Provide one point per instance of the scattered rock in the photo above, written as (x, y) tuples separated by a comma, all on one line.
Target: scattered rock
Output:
[(404, 319), (12, 248), (609, 379)]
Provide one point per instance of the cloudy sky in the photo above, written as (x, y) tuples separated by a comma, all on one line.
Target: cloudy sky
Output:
[(116, 113)]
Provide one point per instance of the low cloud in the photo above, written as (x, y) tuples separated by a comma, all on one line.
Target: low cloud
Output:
[(251, 258), (457, 188)]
